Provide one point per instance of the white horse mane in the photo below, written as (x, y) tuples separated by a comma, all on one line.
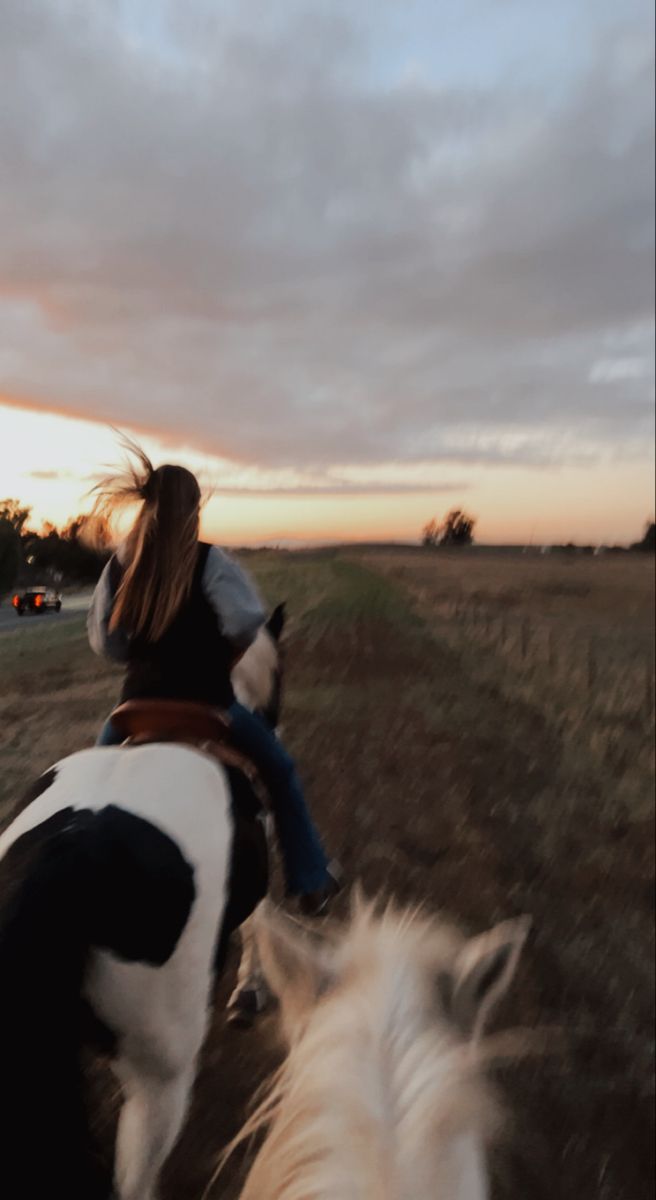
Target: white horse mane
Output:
[(252, 676), (380, 1098)]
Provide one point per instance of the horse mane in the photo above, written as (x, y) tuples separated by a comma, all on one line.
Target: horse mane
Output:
[(400, 1083), (253, 676)]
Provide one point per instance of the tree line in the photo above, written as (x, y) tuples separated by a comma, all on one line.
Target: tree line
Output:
[(55, 556), (47, 556), (457, 529)]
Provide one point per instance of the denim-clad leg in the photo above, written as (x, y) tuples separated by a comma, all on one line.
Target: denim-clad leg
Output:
[(304, 858), (109, 735)]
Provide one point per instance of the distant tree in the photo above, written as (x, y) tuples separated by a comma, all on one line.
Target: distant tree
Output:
[(648, 543), (457, 529), (50, 555), (63, 554), (15, 513), (11, 555), (430, 534)]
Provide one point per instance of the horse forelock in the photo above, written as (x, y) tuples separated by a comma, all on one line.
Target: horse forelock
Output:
[(378, 1098)]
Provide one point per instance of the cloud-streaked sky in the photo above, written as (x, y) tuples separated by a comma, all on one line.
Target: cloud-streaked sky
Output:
[(362, 259)]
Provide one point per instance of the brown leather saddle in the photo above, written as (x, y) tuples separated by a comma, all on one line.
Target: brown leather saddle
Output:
[(140, 722)]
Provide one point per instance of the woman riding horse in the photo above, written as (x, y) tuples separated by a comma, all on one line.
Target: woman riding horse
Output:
[(179, 614)]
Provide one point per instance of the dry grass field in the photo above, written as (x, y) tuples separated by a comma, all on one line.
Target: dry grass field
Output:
[(572, 637), (475, 732)]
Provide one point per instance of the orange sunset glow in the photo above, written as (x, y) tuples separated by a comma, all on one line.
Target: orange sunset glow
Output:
[(50, 462)]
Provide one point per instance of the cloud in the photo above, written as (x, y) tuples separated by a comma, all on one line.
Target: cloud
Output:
[(612, 370), (247, 229), (343, 489), (47, 474)]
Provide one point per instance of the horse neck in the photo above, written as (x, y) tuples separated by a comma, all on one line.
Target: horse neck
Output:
[(372, 1107)]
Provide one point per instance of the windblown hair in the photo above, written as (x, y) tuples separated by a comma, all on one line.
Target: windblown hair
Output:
[(161, 548)]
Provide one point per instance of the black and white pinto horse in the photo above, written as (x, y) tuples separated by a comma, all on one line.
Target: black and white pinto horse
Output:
[(122, 880)]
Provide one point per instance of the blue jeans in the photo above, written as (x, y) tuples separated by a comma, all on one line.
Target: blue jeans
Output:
[(304, 858)]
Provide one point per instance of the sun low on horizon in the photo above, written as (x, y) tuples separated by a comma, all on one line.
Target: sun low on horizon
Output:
[(355, 265)]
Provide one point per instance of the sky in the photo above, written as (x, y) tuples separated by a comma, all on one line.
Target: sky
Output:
[(356, 263)]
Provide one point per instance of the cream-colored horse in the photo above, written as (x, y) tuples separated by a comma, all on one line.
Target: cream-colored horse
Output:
[(382, 1096)]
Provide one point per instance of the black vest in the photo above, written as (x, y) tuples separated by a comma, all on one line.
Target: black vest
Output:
[(191, 660)]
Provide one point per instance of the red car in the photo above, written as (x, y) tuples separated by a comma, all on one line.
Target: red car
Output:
[(36, 600)]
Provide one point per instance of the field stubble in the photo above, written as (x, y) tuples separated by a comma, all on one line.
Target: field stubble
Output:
[(574, 639)]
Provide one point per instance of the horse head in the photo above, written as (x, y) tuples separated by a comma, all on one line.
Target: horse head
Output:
[(384, 1083)]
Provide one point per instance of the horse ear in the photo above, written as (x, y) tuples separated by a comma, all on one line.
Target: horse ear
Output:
[(276, 622), (483, 970), (297, 964)]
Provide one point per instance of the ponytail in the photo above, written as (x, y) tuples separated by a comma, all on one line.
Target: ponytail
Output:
[(162, 545)]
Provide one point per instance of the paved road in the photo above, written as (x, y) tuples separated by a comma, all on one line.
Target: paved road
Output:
[(72, 606)]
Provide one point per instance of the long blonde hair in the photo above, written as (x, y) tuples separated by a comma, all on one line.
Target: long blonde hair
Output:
[(162, 546)]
